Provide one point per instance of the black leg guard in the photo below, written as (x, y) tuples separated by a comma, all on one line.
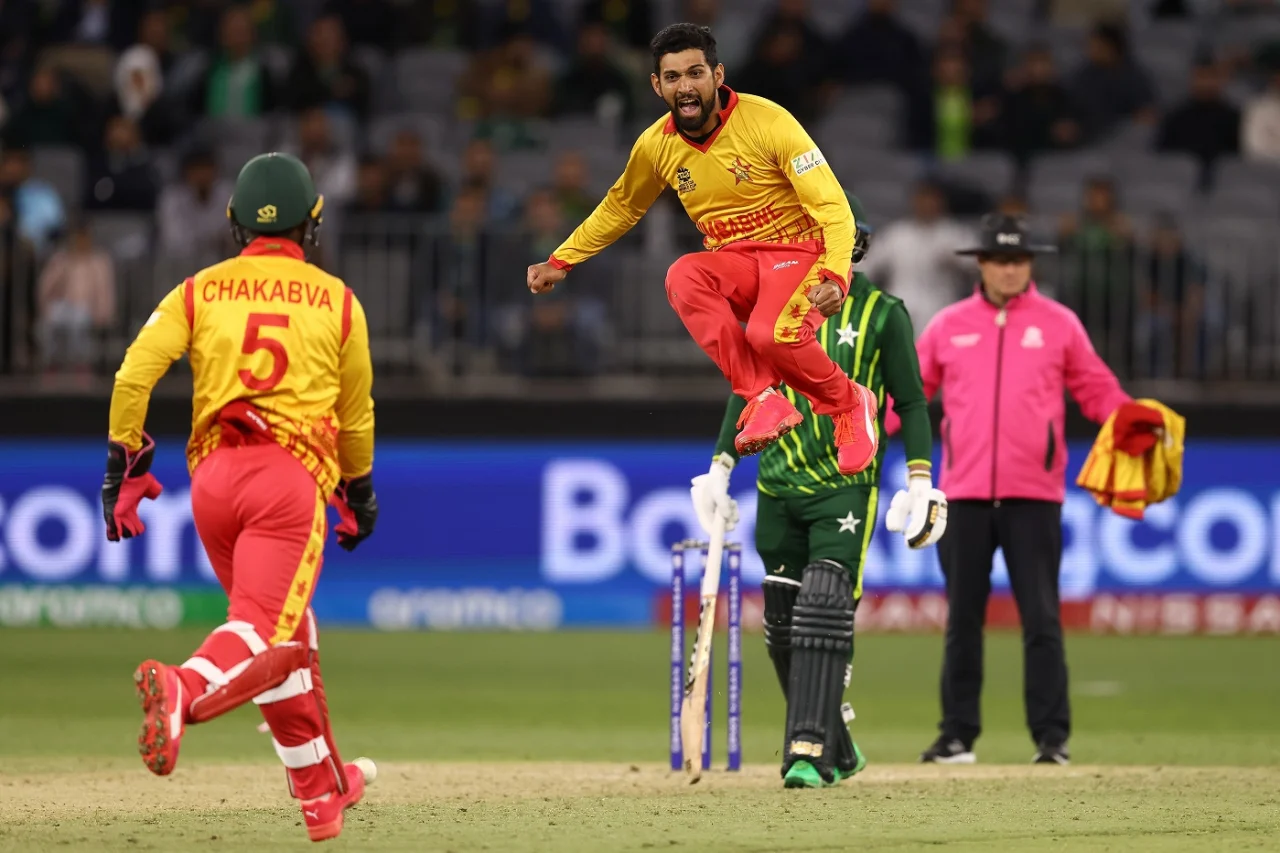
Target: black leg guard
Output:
[(779, 600), (821, 641)]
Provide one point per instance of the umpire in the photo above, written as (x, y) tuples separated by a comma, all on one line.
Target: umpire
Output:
[(1002, 359)]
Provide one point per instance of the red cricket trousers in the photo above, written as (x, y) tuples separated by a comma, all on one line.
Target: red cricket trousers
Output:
[(262, 521), (765, 286)]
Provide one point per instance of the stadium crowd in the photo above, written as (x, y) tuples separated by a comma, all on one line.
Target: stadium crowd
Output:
[(457, 140)]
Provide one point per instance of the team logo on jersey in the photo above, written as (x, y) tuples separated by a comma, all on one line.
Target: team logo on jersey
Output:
[(267, 214), (741, 171), (686, 184)]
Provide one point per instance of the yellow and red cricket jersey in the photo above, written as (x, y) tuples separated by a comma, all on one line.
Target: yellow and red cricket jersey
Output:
[(268, 328), (759, 176)]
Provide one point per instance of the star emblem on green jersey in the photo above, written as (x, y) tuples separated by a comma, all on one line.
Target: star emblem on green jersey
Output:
[(849, 524), (846, 334)]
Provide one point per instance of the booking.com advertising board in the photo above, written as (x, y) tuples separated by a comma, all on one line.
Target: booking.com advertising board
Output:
[(538, 536)]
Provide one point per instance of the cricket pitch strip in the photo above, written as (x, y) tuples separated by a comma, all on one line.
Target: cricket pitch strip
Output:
[(463, 807)]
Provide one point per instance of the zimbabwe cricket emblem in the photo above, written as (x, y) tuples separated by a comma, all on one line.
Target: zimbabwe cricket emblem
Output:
[(741, 171), (686, 184), (267, 214)]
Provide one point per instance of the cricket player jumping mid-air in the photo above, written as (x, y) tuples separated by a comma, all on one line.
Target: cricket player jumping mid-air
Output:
[(282, 424), (780, 234)]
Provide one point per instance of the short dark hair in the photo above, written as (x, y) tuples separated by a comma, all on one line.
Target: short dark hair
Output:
[(680, 37)]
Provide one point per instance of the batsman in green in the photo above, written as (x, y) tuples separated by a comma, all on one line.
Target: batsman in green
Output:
[(813, 524)]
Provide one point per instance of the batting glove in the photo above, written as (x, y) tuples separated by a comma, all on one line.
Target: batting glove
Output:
[(919, 513), (710, 494), (357, 507), (128, 480)]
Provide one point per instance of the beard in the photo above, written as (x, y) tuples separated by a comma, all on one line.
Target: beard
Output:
[(692, 124)]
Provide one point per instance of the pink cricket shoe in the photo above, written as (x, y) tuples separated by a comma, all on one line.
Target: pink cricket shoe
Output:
[(324, 815), (160, 692), (857, 439), (766, 419)]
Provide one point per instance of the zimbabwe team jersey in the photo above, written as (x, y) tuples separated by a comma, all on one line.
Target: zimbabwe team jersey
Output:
[(268, 328), (757, 177), (870, 339)]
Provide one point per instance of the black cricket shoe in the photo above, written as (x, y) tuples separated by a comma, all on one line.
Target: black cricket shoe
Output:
[(948, 750), (1051, 753)]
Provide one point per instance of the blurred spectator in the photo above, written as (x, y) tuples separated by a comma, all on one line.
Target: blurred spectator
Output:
[(733, 32), (366, 22), (1036, 111), (238, 83), (1260, 134), (780, 71), (456, 25), (192, 214), (453, 315), (505, 88), (275, 22), (561, 336), (121, 174), (1172, 9), (18, 265), (371, 187), (945, 123), (915, 259), (1097, 246), (17, 32), (1110, 87), (1082, 13), (77, 295), (105, 23), (984, 48), (324, 76), (1013, 204), (570, 191), (139, 90), (592, 83), (332, 167), (1171, 321), (630, 21), (47, 116), (879, 48), (793, 16), (413, 185), (36, 206), (539, 18), (478, 178), (1205, 124)]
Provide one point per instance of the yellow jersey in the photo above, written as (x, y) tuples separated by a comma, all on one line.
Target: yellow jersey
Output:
[(758, 176), (268, 328)]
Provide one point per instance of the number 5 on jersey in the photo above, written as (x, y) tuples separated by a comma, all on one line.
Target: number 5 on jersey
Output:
[(255, 342)]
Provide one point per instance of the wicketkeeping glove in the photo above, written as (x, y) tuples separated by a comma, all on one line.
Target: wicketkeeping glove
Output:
[(357, 507), (919, 513), (710, 494), (127, 482)]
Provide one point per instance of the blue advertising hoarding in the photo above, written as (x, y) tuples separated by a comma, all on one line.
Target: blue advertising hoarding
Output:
[(537, 535)]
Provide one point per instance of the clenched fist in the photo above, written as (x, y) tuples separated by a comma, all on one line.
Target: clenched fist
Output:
[(826, 296), (542, 278)]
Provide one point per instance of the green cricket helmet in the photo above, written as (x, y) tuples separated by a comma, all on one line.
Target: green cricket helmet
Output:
[(863, 241), (274, 194)]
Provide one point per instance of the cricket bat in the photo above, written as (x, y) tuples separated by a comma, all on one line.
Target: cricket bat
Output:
[(693, 709)]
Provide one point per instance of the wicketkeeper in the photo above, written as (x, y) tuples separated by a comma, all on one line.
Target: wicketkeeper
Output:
[(282, 423), (813, 525)]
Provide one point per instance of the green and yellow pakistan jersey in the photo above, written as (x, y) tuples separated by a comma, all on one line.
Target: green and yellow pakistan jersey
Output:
[(807, 509)]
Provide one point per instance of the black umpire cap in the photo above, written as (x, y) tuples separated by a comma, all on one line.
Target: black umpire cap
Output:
[(1005, 235)]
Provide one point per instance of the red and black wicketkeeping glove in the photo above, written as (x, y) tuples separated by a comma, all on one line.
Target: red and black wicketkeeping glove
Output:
[(127, 482), (357, 507)]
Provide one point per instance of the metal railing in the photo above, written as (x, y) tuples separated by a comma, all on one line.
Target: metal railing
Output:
[(448, 310)]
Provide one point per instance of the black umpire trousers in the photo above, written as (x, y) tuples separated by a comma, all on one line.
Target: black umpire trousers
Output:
[(1030, 535)]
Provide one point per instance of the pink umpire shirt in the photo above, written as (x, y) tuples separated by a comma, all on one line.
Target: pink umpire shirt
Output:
[(1003, 373)]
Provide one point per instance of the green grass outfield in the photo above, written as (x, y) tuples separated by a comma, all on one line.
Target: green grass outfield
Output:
[(524, 742)]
